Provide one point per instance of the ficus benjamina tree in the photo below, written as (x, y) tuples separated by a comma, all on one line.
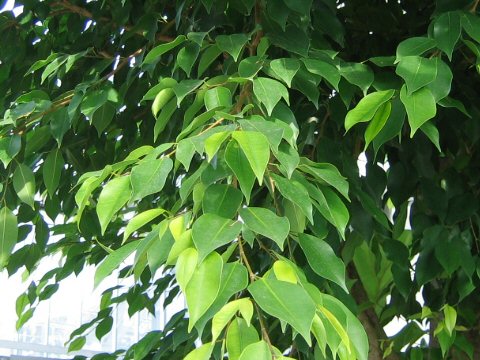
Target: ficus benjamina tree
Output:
[(299, 172)]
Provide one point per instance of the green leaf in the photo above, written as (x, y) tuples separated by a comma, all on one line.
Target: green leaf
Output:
[(52, 169), (234, 280), (24, 184), (446, 31), (113, 261), (392, 127), (185, 87), (154, 54), (211, 231), (201, 353), (239, 336), (9, 147), (450, 318), (296, 193), (238, 162), (8, 234), (164, 117), (420, 107), (185, 267), (288, 158), (103, 116), (323, 260), (207, 58), (284, 271), (256, 351), (202, 289), (249, 67), (333, 209), (357, 74), (285, 301), (367, 107), (256, 148), (292, 39), (324, 69), (414, 46), (161, 99), (221, 318), (221, 199), (149, 177), (266, 223), (272, 131), (285, 68), (471, 25), (417, 72), (213, 143), (325, 174), (300, 6), (440, 87), (378, 122), (115, 194), (431, 131), (218, 97), (269, 92), (140, 220), (77, 344), (232, 44), (187, 56)]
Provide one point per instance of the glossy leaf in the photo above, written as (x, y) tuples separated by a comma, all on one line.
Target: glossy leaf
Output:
[(218, 97), (52, 170), (266, 223), (269, 92), (211, 231), (115, 194), (140, 220), (149, 177), (296, 193), (158, 51), (24, 184), (232, 44), (286, 301), (258, 350), (446, 30), (420, 107), (202, 289), (256, 148), (223, 200), (239, 336), (286, 69), (8, 234), (9, 148), (417, 72)]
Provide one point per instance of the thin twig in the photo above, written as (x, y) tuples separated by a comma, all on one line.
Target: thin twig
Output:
[(245, 261)]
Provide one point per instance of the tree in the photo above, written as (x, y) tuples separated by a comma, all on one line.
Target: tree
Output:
[(217, 142)]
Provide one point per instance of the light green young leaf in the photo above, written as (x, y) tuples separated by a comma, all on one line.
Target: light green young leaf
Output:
[(296, 193), (156, 52), (24, 184), (238, 162), (367, 107), (378, 122), (269, 92), (420, 107), (222, 199), (284, 271), (8, 235), (256, 148), (211, 231), (213, 143), (202, 289), (113, 261), (417, 72), (139, 220), (239, 336), (285, 68), (232, 44), (218, 97), (256, 351), (450, 315), (266, 223), (323, 260), (185, 267), (149, 177), (221, 318), (287, 302), (161, 99), (201, 353), (115, 194), (52, 169), (9, 147), (446, 30)]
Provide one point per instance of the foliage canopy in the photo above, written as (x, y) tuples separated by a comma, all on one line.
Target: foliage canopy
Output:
[(216, 143)]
